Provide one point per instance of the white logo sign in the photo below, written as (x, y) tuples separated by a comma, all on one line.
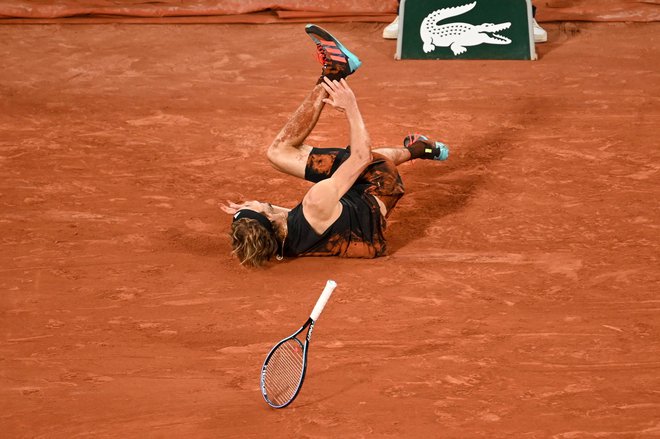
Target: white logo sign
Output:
[(459, 36)]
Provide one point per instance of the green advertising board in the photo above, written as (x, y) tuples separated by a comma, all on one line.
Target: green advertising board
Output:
[(465, 29)]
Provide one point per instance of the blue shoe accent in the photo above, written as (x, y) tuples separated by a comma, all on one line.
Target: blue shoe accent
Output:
[(444, 151), (353, 61)]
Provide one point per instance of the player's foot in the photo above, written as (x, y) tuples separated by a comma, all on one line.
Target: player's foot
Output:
[(540, 35), (338, 62), (421, 147), (391, 31)]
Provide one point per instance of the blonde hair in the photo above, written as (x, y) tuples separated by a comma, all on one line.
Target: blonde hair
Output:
[(252, 243)]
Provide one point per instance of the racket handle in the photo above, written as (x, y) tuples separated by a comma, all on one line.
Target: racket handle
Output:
[(325, 295)]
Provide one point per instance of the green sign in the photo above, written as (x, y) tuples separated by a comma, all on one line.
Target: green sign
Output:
[(465, 29)]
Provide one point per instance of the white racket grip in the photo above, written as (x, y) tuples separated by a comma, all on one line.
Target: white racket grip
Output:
[(325, 295)]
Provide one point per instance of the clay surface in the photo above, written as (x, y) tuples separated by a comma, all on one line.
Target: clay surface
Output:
[(520, 298)]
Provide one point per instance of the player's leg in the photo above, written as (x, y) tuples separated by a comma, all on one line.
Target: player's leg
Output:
[(415, 146), (323, 162), (288, 153), (397, 154)]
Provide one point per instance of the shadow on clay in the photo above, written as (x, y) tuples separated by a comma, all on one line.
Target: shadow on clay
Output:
[(462, 180), (461, 177)]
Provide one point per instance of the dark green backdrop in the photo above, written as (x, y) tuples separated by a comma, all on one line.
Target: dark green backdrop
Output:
[(518, 12)]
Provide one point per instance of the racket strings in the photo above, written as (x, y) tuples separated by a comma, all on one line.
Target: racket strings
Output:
[(283, 372)]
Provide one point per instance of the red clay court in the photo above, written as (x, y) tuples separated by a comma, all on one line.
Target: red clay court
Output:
[(521, 295)]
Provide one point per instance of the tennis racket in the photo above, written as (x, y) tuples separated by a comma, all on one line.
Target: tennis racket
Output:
[(283, 371)]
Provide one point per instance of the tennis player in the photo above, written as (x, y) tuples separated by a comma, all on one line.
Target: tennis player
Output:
[(356, 188)]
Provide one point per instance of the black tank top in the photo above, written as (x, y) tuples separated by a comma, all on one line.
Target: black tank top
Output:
[(357, 233)]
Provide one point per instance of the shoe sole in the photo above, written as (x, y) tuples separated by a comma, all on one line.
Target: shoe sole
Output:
[(313, 30)]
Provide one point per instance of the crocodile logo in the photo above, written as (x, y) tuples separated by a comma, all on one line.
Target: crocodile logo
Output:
[(459, 36)]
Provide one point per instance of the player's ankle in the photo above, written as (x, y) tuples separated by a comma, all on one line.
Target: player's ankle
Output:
[(419, 150)]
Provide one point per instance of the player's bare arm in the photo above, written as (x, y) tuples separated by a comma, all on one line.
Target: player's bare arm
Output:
[(321, 205)]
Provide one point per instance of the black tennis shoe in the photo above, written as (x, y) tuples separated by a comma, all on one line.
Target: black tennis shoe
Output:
[(421, 147)]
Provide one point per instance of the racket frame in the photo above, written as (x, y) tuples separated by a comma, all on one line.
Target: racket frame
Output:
[(309, 323), (313, 317)]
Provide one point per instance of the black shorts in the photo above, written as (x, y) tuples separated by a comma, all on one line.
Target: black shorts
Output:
[(381, 178)]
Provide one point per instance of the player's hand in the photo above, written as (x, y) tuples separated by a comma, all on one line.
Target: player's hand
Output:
[(231, 207), (341, 96)]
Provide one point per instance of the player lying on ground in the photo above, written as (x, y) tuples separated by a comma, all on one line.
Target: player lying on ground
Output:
[(355, 190)]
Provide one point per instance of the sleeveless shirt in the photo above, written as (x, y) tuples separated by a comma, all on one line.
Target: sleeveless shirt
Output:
[(357, 233)]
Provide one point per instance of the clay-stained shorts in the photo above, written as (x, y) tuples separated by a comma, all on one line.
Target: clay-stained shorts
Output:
[(381, 178)]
